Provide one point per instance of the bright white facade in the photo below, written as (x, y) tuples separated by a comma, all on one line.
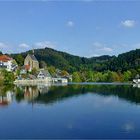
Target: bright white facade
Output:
[(7, 63), (43, 74)]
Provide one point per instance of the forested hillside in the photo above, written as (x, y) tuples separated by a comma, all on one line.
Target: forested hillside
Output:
[(71, 63), (125, 61), (123, 67), (64, 60)]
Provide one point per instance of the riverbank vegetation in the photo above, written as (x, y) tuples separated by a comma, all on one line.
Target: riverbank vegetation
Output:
[(6, 78), (108, 76)]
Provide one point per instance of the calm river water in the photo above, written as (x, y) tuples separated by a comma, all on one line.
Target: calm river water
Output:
[(72, 111)]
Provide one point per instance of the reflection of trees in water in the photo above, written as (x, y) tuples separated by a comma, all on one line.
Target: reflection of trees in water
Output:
[(125, 92), (6, 95), (60, 93), (46, 95), (29, 93)]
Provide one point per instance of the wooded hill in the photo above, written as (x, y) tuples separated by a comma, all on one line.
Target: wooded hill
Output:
[(64, 61)]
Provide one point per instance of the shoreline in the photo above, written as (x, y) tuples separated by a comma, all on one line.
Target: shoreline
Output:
[(46, 83)]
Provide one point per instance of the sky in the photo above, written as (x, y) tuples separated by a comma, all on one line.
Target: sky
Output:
[(82, 27)]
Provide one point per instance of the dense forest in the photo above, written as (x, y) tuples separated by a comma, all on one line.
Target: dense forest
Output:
[(123, 67)]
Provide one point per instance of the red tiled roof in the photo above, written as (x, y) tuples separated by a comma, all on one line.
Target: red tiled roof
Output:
[(27, 67), (5, 58)]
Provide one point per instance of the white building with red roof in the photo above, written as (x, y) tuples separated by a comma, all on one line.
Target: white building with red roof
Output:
[(7, 62)]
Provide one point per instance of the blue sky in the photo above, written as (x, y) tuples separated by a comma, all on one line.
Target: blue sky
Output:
[(83, 27)]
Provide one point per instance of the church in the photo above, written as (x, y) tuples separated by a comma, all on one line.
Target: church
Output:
[(31, 62)]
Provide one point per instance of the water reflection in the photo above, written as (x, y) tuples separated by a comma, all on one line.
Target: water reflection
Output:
[(136, 85), (51, 94), (30, 93), (6, 96), (71, 111)]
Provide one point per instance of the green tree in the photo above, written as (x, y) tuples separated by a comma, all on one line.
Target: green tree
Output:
[(52, 70), (105, 77), (8, 77), (112, 76), (1, 78), (18, 71), (76, 77), (43, 64), (64, 73), (34, 71), (134, 73), (89, 76), (97, 77), (19, 59), (127, 75)]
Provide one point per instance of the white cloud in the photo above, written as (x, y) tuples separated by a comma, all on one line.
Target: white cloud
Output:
[(94, 55), (101, 47), (5, 48), (107, 49), (44, 44), (97, 44), (3, 45), (128, 23), (108, 100), (70, 23), (24, 45)]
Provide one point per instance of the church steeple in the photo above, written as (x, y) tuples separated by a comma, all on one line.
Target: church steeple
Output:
[(33, 52)]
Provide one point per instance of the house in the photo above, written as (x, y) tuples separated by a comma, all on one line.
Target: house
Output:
[(24, 69), (31, 62), (7, 63), (44, 74), (63, 74), (68, 77), (60, 80)]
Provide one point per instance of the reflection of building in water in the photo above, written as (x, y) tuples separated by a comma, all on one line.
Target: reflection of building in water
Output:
[(6, 98), (31, 93), (136, 85), (43, 89)]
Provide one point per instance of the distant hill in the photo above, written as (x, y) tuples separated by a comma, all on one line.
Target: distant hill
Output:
[(71, 63), (125, 61)]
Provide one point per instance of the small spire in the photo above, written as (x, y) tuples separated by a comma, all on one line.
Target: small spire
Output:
[(33, 51)]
